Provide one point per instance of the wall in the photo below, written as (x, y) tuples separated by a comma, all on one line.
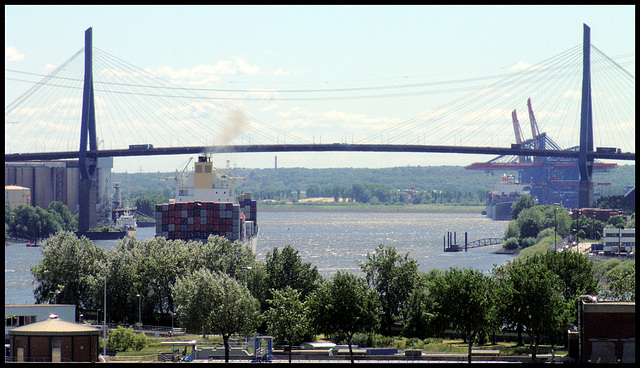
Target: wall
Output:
[(66, 312), (606, 328)]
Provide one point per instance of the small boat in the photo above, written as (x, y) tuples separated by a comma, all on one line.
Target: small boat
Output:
[(31, 245), (126, 222)]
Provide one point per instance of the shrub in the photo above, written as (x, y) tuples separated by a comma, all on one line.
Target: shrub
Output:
[(511, 243), (123, 339), (545, 233), (139, 342), (527, 242)]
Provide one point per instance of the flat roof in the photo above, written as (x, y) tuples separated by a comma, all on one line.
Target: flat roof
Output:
[(180, 343), (39, 305), (610, 307)]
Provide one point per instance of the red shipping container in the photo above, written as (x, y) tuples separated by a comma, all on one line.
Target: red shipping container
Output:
[(196, 219), (172, 206), (190, 205)]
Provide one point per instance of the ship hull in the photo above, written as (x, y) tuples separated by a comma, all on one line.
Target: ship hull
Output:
[(197, 220), (500, 211)]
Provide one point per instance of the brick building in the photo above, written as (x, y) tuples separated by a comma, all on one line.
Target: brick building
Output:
[(54, 340), (606, 331)]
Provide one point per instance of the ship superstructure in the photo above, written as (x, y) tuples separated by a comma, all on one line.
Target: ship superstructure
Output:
[(504, 194), (206, 204)]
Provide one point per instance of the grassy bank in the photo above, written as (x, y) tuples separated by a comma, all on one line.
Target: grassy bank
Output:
[(360, 207), (428, 345)]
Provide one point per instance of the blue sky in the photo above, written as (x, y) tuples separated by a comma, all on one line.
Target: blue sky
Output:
[(282, 48)]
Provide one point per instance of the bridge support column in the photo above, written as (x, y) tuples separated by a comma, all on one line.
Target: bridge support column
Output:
[(87, 163), (88, 195), (585, 166)]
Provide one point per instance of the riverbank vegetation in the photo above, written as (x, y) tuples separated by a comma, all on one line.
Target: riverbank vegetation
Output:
[(32, 223), (299, 183), (168, 277), (550, 224)]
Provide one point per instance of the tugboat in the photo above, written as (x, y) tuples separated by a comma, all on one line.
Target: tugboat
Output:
[(125, 221)]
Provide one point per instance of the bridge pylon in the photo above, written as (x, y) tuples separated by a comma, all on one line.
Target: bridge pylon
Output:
[(585, 165), (88, 191)]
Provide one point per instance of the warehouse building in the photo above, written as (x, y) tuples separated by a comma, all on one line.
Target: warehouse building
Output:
[(50, 181)]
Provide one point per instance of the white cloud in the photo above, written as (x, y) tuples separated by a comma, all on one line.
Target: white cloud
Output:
[(12, 54), (269, 108), (204, 74), (524, 66)]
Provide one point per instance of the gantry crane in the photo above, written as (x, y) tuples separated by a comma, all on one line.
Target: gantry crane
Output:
[(551, 179)]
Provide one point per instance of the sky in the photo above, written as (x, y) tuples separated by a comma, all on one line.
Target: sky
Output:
[(287, 52)]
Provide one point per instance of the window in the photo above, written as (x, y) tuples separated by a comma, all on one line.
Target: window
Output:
[(19, 320), (11, 321)]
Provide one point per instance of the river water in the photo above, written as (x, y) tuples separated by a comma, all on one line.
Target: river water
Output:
[(330, 240)]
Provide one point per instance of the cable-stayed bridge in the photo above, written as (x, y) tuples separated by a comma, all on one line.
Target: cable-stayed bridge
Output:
[(103, 105)]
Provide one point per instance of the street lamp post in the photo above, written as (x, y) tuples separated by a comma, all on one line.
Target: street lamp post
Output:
[(555, 231), (104, 321), (139, 311), (246, 274)]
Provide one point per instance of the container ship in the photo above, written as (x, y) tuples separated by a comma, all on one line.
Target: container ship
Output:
[(206, 204), (505, 193)]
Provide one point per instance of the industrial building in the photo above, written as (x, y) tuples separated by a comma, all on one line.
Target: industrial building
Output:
[(15, 195), (550, 180), (617, 241), (50, 181)]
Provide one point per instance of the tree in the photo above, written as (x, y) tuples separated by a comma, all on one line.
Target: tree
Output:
[(463, 297), (69, 221), (287, 318), (47, 223), (621, 282), (147, 203), (215, 303), (530, 295), (286, 268), (345, 305), (68, 272), (393, 276), (512, 230), (530, 222), (419, 317), (522, 203), (125, 276), (220, 254), (617, 222), (25, 221), (574, 270)]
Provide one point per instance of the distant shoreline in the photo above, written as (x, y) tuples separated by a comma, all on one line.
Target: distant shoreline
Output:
[(263, 207)]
